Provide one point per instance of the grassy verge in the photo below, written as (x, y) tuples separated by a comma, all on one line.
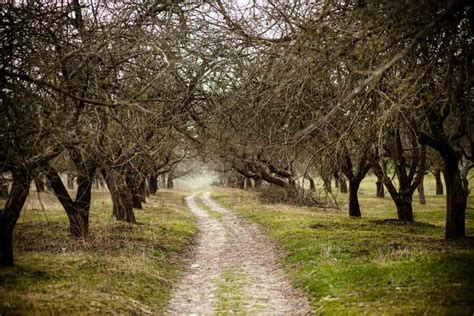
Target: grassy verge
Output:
[(120, 268), (368, 265)]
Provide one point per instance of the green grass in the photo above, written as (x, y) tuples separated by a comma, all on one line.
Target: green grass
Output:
[(230, 292), (120, 268), (369, 265)]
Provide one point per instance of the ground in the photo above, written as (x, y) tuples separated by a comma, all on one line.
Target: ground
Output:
[(371, 265), (119, 269), (233, 270)]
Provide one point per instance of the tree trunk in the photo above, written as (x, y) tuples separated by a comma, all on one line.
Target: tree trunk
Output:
[(3, 190), (342, 184), (258, 183), (456, 199), (70, 182), (170, 183), (248, 183), (421, 193), (404, 208), (327, 184), (77, 211), (380, 189), (312, 186), (354, 208), (146, 188), (241, 182), (10, 214), (439, 183), (153, 184), (39, 183), (142, 191), (136, 201), (82, 204), (101, 183), (123, 208), (121, 196)]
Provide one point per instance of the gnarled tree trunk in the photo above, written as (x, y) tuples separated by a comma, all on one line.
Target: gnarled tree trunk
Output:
[(312, 186), (78, 210), (39, 183), (170, 182), (153, 184), (354, 208), (421, 193), (3, 189), (456, 199), (439, 182), (404, 207), (70, 182), (327, 184), (342, 184), (11, 212), (121, 196), (380, 189)]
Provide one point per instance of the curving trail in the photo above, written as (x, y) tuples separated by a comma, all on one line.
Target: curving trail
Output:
[(229, 249)]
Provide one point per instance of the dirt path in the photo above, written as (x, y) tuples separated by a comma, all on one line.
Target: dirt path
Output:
[(233, 269)]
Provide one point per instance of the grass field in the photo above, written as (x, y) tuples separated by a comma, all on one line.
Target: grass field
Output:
[(119, 269), (369, 265)]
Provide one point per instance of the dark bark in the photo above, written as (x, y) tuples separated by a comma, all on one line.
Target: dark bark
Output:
[(134, 192), (336, 179), (11, 212), (409, 169), (70, 182), (3, 190), (439, 182), (153, 184), (421, 193), (456, 189), (78, 210), (170, 182), (354, 208), (355, 178), (121, 196), (39, 183), (142, 190), (312, 186), (402, 198), (404, 208), (327, 184), (342, 184), (380, 189), (456, 199), (146, 188), (136, 201), (258, 183), (83, 203)]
